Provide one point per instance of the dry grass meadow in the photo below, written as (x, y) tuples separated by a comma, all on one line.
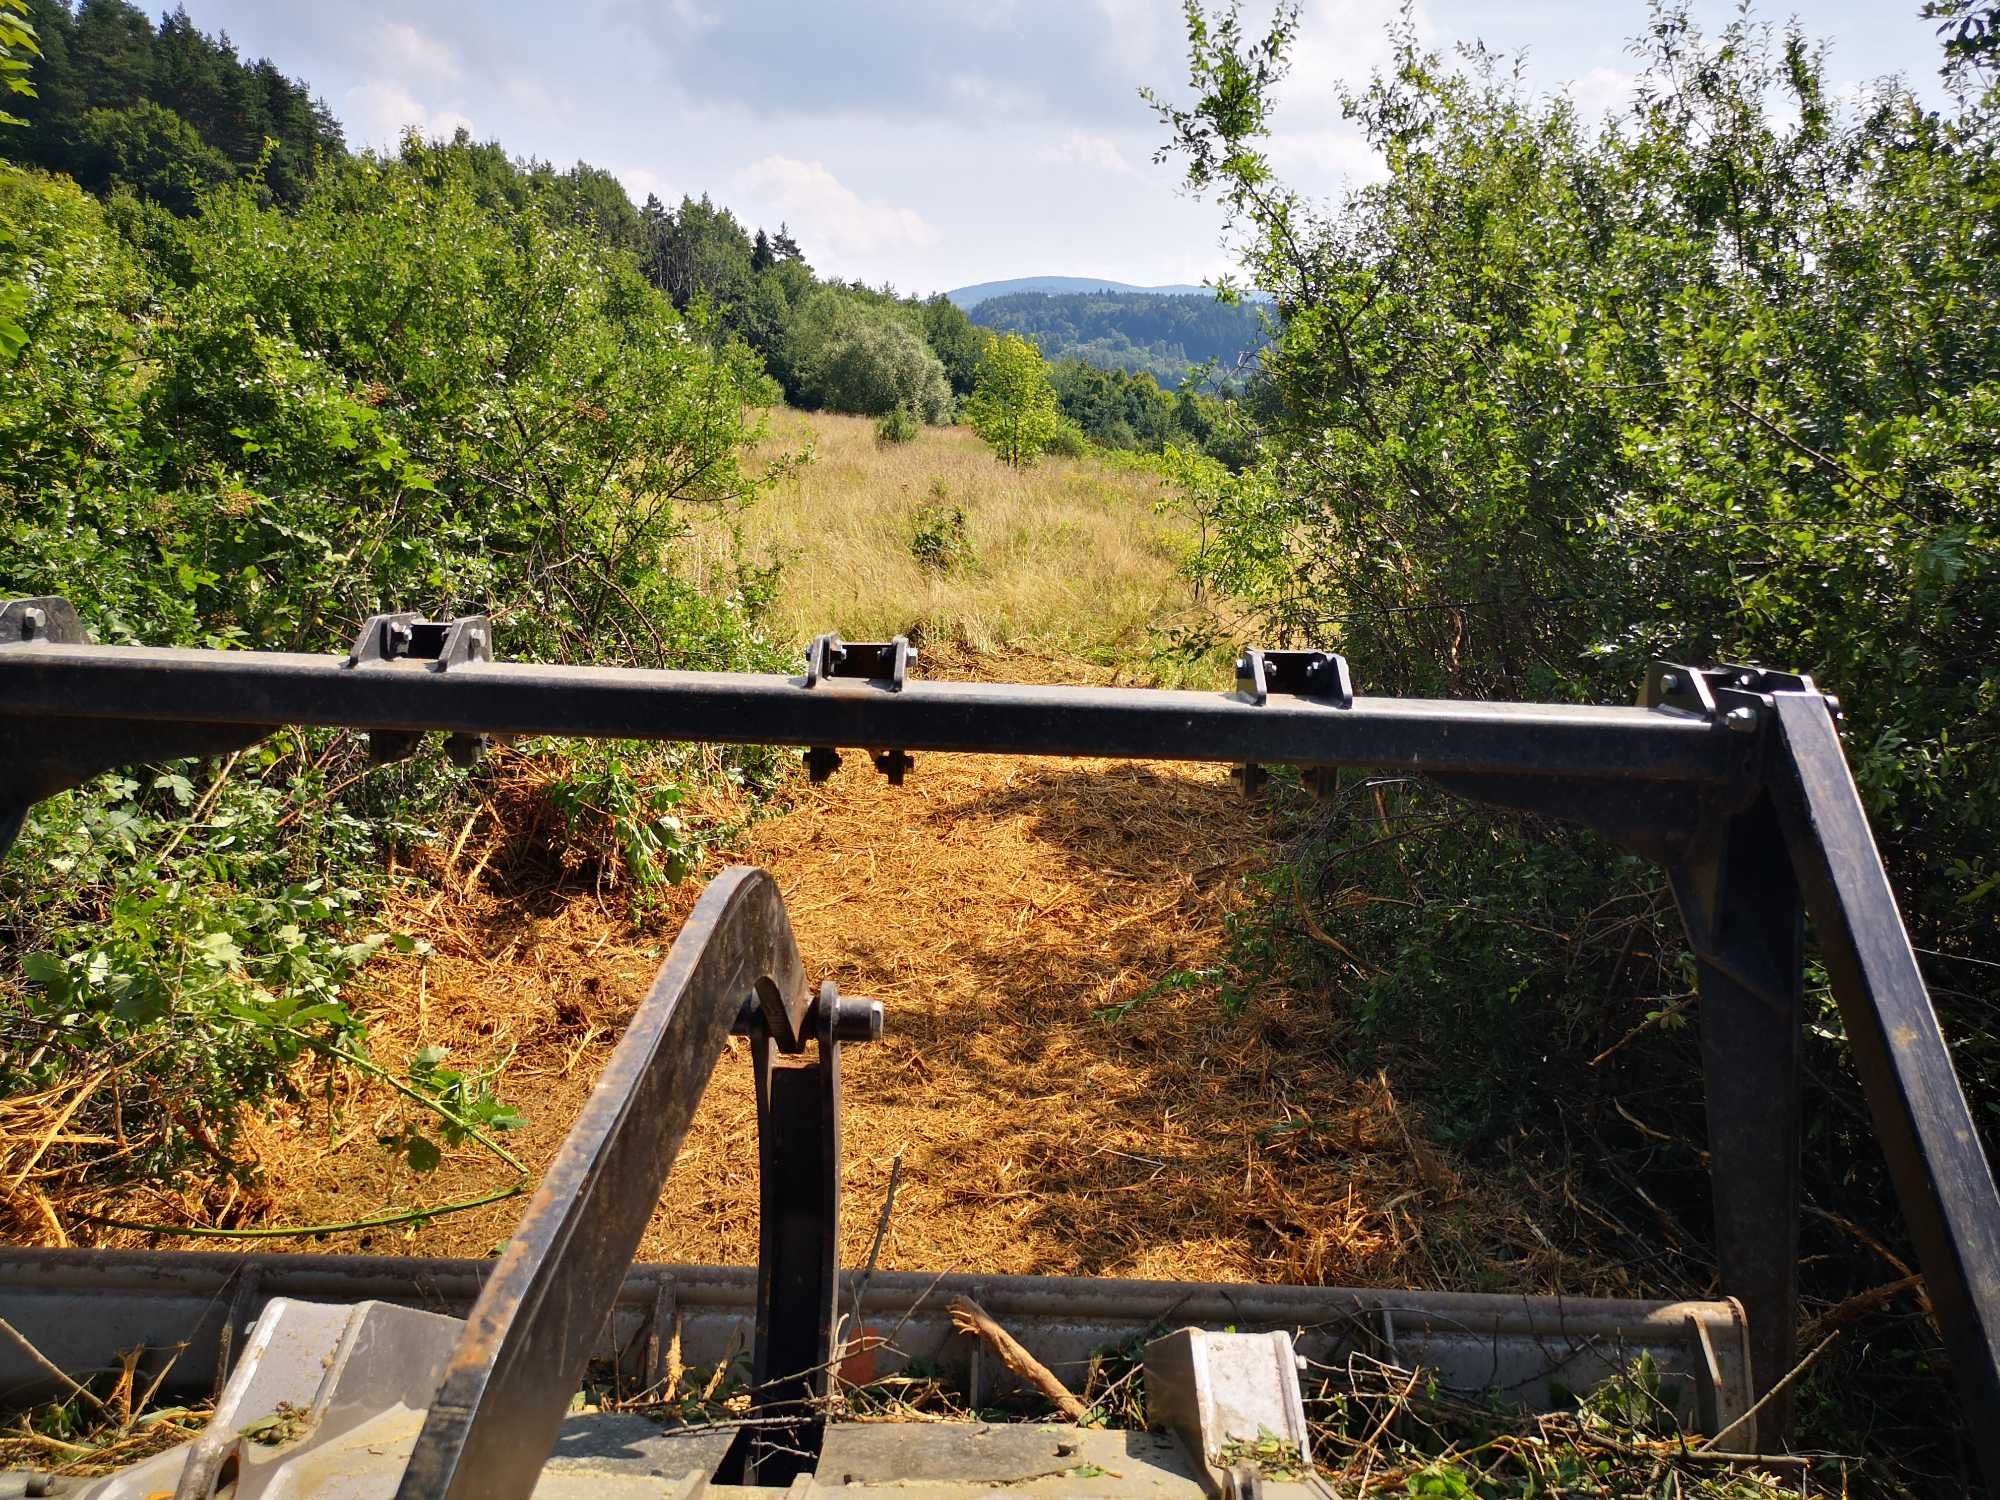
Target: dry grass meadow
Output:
[(1070, 558)]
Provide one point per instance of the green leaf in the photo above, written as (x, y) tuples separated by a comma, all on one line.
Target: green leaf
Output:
[(44, 968)]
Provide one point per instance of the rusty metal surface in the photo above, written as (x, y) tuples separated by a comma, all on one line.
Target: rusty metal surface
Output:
[(1750, 752), (798, 1160), (528, 1338), (1942, 1178)]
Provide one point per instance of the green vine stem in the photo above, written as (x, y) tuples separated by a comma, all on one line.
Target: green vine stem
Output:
[(282, 1231)]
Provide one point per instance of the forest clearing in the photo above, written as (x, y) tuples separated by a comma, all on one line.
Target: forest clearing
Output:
[(1057, 1104), (1427, 804)]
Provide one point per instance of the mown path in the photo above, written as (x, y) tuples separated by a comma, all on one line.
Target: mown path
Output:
[(1000, 907)]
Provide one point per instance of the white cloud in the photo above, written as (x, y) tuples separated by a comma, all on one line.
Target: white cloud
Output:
[(822, 210), (1601, 91), (1339, 42), (409, 53), (378, 113), (985, 98), (1093, 153), (1143, 37), (533, 101), (640, 182), (1327, 160)]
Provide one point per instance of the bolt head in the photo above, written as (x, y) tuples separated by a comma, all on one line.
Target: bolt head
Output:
[(34, 624), (1742, 720), (1670, 682)]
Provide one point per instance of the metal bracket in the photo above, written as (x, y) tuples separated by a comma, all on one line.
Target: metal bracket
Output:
[(882, 664), (893, 764), (886, 664), (821, 762), (408, 636), (1734, 695), (1221, 1393), (1304, 674), (51, 619)]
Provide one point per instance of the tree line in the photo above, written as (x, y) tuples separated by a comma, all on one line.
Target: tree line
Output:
[(155, 117), (165, 111)]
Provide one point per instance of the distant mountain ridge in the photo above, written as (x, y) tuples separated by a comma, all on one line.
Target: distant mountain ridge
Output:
[(1162, 334), (978, 292)]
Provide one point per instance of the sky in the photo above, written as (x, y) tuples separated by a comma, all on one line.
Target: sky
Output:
[(929, 143)]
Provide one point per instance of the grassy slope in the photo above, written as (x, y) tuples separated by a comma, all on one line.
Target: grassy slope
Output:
[(1065, 559)]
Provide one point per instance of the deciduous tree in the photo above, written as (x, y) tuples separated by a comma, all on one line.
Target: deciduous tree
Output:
[(1013, 405)]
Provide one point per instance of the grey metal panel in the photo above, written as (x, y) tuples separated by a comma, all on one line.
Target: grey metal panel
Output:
[(81, 1307)]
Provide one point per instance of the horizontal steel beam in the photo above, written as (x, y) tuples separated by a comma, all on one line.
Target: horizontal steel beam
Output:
[(40, 680)]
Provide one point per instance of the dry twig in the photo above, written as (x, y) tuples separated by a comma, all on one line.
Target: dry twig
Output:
[(968, 1316)]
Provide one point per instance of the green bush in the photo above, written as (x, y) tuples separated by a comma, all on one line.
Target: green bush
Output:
[(938, 539), (899, 425), (258, 429), (847, 353), (1717, 379), (1067, 441)]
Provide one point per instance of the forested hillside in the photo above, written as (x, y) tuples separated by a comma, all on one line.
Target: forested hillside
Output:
[(153, 119), (164, 111), (971, 296), (1141, 332)]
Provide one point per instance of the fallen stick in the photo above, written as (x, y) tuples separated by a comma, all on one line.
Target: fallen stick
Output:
[(968, 1316), (21, 1339)]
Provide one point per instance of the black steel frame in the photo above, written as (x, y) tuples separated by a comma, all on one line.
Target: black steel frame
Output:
[(1731, 778), (527, 1341)]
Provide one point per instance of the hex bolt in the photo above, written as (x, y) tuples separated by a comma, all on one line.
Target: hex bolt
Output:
[(34, 624), (1670, 682), (1742, 720), (857, 1020)]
